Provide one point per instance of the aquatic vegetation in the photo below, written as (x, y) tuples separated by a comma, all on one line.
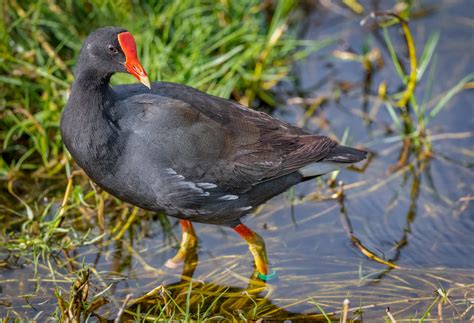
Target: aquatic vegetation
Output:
[(411, 118), (69, 251)]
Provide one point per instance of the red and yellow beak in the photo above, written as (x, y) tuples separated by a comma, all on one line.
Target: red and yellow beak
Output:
[(129, 48)]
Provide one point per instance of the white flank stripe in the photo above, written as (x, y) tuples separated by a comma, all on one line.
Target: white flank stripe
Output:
[(206, 185), (228, 197), (170, 171), (245, 208)]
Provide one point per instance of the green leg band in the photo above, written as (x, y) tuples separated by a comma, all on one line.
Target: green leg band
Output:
[(269, 277)]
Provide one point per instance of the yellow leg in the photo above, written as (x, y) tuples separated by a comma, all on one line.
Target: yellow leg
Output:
[(188, 245), (257, 248)]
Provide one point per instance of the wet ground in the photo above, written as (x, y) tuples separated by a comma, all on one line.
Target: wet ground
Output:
[(420, 218)]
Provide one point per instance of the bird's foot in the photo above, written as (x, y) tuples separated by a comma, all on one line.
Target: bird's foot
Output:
[(187, 250), (173, 263)]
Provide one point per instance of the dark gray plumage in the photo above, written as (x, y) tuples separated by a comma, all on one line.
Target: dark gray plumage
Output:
[(178, 150)]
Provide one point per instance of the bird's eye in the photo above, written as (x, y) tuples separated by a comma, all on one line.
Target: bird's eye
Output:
[(112, 49)]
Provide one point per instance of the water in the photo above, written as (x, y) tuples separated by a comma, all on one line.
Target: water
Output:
[(420, 218)]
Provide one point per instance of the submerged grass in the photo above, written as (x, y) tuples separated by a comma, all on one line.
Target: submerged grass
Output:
[(411, 119), (57, 225), (411, 110)]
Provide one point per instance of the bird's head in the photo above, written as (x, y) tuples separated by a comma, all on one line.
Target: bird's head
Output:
[(113, 49)]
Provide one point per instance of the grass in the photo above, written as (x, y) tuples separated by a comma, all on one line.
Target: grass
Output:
[(234, 50), (408, 109), (58, 225), (225, 49), (412, 118)]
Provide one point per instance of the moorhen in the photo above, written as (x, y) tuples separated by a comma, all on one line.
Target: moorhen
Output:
[(169, 147)]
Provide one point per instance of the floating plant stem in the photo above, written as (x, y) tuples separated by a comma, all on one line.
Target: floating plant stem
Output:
[(348, 228)]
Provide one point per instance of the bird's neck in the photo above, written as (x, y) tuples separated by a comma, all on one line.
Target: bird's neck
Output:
[(90, 96), (86, 126), (91, 80)]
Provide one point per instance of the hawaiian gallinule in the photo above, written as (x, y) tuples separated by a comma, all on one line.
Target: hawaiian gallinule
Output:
[(169, 147)]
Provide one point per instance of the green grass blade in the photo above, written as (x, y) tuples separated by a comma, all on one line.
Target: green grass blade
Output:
[(427, 54), (448, 95)]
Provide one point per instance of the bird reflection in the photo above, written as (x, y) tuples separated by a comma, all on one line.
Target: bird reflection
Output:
[(225, 301)]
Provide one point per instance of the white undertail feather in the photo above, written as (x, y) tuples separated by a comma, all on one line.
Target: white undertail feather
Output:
[(319, 168)]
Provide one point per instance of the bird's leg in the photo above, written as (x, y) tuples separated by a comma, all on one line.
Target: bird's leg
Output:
[(188, 245), (257, 248)]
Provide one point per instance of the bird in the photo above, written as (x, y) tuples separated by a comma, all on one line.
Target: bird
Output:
[(167, 147)]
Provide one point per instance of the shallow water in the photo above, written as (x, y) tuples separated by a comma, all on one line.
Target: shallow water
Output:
[(421, 218)]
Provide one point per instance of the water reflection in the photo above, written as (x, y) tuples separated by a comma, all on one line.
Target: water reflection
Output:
[(166, 291), (419, 217), (216, 300)]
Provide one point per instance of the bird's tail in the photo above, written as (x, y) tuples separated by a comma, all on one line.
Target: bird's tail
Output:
[(340, 156), (345, 155)]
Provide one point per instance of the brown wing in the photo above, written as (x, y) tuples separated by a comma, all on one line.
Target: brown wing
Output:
[(275, 149), (246, 147)]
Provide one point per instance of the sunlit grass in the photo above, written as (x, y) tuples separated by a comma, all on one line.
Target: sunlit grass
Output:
[(230, 49), (234, 49), (226, 49)]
